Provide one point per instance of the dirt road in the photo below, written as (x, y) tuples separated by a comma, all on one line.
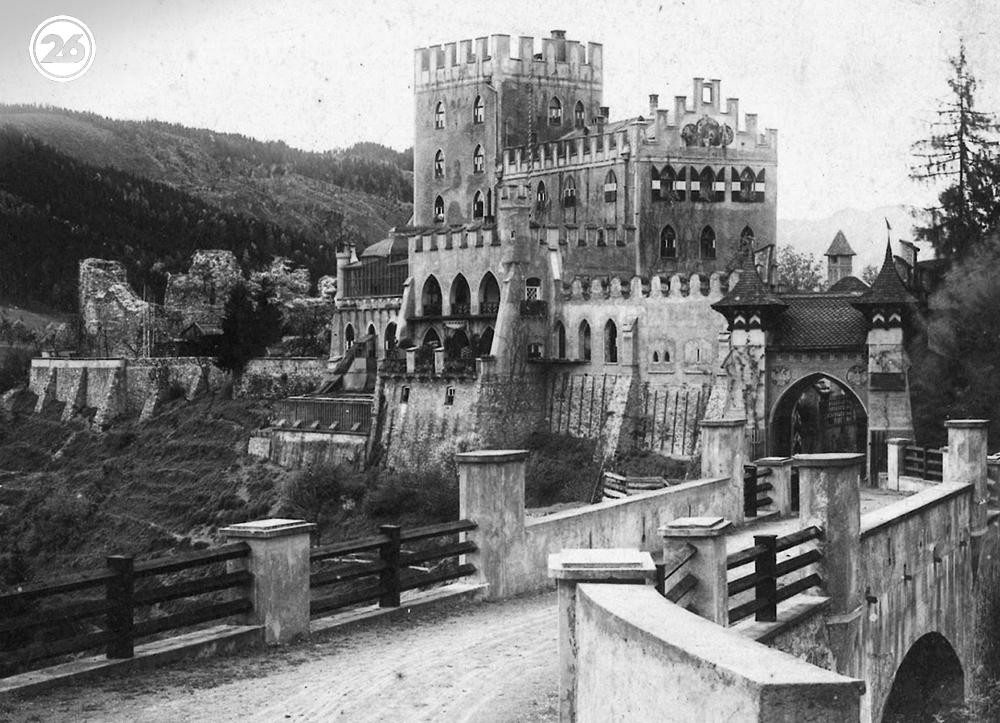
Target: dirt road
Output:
[(453, 662)]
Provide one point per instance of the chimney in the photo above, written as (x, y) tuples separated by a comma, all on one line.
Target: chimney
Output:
[(558, 34), (654, 104)]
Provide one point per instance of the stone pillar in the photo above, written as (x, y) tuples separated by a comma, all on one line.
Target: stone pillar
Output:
[(491, 494), (707, 535), (279, 562), (439, 361), (723, 443), (965, 463), (830, 498), (895, 448), (570, 567), (411, 360), (781, 480)]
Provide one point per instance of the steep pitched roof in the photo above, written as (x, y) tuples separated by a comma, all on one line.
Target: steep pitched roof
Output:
[(849, 284), (839, 246), (750, 290), (887, 288)]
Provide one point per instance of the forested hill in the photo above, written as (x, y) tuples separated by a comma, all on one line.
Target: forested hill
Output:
[(148, 193)]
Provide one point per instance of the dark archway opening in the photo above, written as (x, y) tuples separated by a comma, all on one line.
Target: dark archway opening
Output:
[(485, 345), (818, 414), (455, 346), (929, 684)]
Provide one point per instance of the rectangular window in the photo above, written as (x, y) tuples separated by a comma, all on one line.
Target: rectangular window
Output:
[(610, 192), (449, 396), (404, 395)]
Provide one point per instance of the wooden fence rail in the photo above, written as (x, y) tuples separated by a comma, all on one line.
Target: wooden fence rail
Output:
[(768, 572), (47, 620), (924, 463), (755, 491), (389, 569)]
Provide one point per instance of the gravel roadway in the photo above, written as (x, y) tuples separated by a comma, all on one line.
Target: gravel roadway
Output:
[(454, 661)]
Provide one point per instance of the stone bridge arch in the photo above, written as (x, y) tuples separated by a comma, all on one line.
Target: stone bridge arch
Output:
[(929, 682), (819, 412)]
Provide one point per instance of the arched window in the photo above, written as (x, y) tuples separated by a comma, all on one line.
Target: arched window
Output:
[(668, 243), (708, 243), (439, 164), (460, 297), (654, 183), (584, 340), (478, 160), (579, 115), (485, 344), (372, 341), (432, 339), (477, 110), (668, 183), (390, 336), (759, 187), (348, 336), (746, 240), (610, 187), (489, 295), (680, 184), (456, 344), (439, 209), (532, 288), (747, 181), (555, 112), (478, 207), (439, 115), (560, 340), (569, 193), (431, 297), (707, 184), (541, 194), (610, 343), (656, 357)]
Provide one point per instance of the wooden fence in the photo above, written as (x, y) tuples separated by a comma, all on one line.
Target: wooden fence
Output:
[(924, 463), (345, 416), (48, 620), (344, 566), (755, 496)]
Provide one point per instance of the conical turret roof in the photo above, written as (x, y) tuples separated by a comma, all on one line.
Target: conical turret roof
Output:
[(750, 291), (839, 246), (888, 288)]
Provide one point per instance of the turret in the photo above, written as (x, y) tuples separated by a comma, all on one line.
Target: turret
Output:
[(839, 259)]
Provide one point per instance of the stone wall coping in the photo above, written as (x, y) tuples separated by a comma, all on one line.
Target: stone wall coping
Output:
[(654, 623), (723, 422), (696, 527), (492, 456), (601, 564), (772, 461), (967, 423), (872, 522), (828, 459), (267, 529), (902, 441), (78, 363)]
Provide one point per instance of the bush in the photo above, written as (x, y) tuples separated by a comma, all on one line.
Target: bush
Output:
[(15, 364), (560, 469)]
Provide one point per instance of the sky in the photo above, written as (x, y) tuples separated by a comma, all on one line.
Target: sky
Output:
[(849, 84)]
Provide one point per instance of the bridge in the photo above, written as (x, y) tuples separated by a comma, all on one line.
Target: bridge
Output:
[(777, 590)]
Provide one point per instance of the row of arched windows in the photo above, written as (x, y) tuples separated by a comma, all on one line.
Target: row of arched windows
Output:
[(478, 162), (707, 248), (555, 117), (388, 337), (688, 183), (584, 348), (482, 206), (460, 296)]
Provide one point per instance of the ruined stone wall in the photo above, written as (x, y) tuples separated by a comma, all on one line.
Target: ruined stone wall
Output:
[(115, 320), (199, 296), (277, 377)]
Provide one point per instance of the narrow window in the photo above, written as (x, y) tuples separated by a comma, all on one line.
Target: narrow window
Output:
[(747, 182), (707, 184), (610, 187), (541, 194), (560, 340), (610, 343), (668, 243), (478, 160), (439, 115), (569, 193), (656, 357), (708, 243), (478, 207), (477, 110), (439, 164), (348, 337), (654, 183), (404, 395), (584, 341), (555, 112), (579, 115), (759, 187), (706, 94), (439, 209), (449, 396)]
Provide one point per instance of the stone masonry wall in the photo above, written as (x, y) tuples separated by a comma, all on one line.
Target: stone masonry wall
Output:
[(278, 377)]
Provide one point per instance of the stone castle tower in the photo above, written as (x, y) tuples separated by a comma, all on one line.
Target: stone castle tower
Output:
[(839, 259)]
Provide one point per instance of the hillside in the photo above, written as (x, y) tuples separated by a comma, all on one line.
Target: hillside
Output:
[(865, 231)]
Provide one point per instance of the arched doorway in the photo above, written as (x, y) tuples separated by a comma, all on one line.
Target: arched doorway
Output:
[(460, 296), (455, 344), (928, 685), (818, 413), (489, 295)]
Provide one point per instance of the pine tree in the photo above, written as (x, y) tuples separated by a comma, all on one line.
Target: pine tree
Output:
[(962, 151)]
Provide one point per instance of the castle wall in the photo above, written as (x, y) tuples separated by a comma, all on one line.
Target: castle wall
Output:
[(277, 377), (360, 313)]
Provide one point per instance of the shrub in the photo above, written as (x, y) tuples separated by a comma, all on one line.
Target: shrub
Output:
[(560, 469), (15, 364)]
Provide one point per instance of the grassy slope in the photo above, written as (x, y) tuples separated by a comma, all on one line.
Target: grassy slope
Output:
[(184, 159)]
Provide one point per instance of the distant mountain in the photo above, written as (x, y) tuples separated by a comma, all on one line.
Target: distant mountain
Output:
[(865, 231), (148, 193)]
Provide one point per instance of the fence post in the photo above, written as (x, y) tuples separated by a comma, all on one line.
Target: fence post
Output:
[(389, 576), (491, 494), (120, 620), (708, 537), (781, 482), (766, 588), (895, 451), (571, 567), (749, 490), (831, 500), (411, 360), (279, 562), (723, 444)]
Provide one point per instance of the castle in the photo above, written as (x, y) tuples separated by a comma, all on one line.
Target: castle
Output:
[(561, 247)]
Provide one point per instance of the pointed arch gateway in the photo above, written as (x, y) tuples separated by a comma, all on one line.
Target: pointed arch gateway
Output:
[(460, 297), (818, 413)]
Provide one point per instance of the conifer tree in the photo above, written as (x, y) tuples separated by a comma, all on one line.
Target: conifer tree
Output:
[(961, 151)]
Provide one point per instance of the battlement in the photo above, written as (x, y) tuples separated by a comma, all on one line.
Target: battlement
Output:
[(495, 56), (577, 151), (677, 287)]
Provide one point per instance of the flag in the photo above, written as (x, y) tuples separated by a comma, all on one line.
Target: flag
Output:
[(887, 226)]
